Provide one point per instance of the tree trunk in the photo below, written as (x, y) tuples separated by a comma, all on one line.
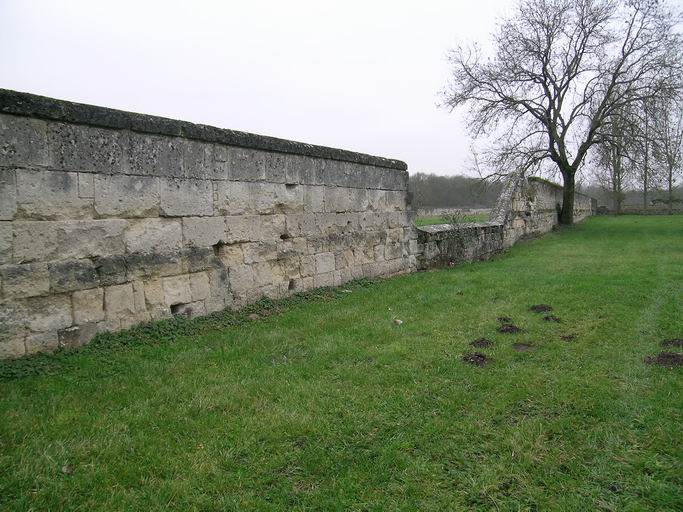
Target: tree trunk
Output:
[(671, 195), (567, 212)]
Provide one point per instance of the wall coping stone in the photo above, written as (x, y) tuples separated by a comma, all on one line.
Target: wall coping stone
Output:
[(31, 105)]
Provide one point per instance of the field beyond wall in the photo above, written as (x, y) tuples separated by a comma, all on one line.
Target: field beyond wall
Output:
[(327, 402)]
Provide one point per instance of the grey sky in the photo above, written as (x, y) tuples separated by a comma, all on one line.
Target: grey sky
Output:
[(358, 75)]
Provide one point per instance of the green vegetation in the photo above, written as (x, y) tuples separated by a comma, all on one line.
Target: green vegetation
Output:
[(325, 403), (428, 221)]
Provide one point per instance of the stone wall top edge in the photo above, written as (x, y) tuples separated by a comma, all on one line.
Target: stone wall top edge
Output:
[(31, 105)]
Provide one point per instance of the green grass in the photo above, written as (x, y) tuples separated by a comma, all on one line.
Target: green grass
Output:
[(326, 404), (428, 221)]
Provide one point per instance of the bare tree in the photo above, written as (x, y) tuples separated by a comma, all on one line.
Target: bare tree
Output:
[(560, 72), (669, 142), (614, 159)]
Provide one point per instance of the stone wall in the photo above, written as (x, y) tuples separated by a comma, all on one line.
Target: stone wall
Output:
[(109, 219), (527, 207)]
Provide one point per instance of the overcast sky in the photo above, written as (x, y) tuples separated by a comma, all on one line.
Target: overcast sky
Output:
[(358, 75)]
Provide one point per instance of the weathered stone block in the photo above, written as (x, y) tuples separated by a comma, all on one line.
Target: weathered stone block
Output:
[(27, 280), (86, 185), (276, 167), (247, 164), (6, 231), (199, 162), (127, 196), (196, 259), (313, 198), (41, 342), (153, 235), (177, 289), (199, 286), (111, 269), (259, 251), (77, 336), (323, 280), (324, 263), (186, 197), (155, 299), (155, 155), (49, 313), (203, 231), (190, 310), (289, 198), (88, 306), (8, 194), (241, 278), (119, 301), (337, 199), (36, 241), (23, 141), (85, 148), (50, 195), (142, 265), (70, 275), (231, 255)]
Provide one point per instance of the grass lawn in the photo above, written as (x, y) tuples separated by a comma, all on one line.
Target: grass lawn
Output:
[(327, 404), (428, 221)]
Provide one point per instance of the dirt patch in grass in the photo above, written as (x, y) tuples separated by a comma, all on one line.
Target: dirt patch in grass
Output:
[(505, 319), (568, 337), (477, 359), (552, 318), (540, 308), (482, 343), (666, 359), (675, 342), (509, 329), (522, 347)]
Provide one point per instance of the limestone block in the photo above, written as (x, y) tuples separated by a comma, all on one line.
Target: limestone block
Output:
[(337, 199), (203, 231), (153, 235), (155, 155), (313, 198), (139, 297), (77, 336), (88, 306), (308, 283), (177, 289), (247, 164), (199, 286), (119, 301), (27, 280), (324, 263), (320, 280), (200, 161), (85, 148), (196, 259), (241, 278), (111, 269), (142, 265), (70, 275), (376, 200), (219, 296), (127, 196), (23, 141), (127, 322), (50, 195), (262, 196), (300, 169), (12, 348), (259, 251), (289, 199), (5, 242), (231, 255), (234, 198), (86, 185), (186, 197), (276, 167), (49, 313), (36, 241), (307, 267), (41, 342), (395, 200), (344, 259), (359, 199), (8, 194), (221, 162), (266, 273), (155, 300), (255, 228)]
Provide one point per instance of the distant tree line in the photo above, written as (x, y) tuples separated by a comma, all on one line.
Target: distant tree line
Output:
[(432, 191)]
